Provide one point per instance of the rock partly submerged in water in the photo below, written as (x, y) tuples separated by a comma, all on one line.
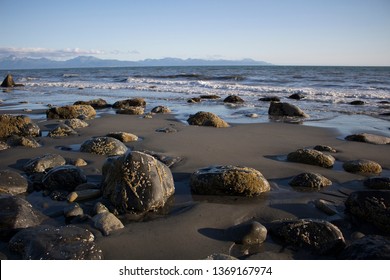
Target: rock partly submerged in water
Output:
[(362, 166), (282, 109), (309, 180), (107, 146), (12, 182), (233, 99), (369, 138), (228, 180), (161, 110), (48, 242), (134, 102), (319, 236), (95, 103), (9, 82), (71, 112), (206, 119), (136, 182), (20, 125), (371, 206), (312, 157)]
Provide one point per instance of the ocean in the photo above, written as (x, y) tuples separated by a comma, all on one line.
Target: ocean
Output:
[(327, 91)]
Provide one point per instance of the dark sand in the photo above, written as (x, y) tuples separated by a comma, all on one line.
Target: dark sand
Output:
[(193, 226)]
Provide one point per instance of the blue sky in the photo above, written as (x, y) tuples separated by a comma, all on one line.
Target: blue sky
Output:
[(284, 32)]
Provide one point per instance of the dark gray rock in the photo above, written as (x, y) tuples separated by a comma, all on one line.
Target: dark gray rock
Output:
[(297, 96), (107, 222), (194, 100), (12, 182), (9, 82), (95, 103), (43, 163), (233, 99), (73, 210), (312, 157), (281, 109), (310, 181), (107, 146), (136, 182), (379, 183), (206, 119), (370, 247), (270, 98), (66, 178), (362, 166), (161, 110), (71, 112), (47, 242), (24, 141), (251, 233), (15, 214), (357, 102), (228, 180), (371, 206), (319, 236), (17, 125), (369, 138), (62, 130), (210, 97), (134, 102)]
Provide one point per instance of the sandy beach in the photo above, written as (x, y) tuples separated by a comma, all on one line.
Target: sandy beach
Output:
[(194, 226)]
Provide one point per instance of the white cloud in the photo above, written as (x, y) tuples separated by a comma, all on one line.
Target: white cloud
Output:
[(48, 53)]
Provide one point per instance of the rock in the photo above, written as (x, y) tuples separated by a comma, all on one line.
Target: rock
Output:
[(371, 206), (43, 163), (76, 123), (206, 119), (166, 159), (123, 136), (369, 138), (15, 214), (66, 177), (79, 195), (100, 208), (297, 96), (48, 242), (161, 110), (194, 100), (252, 115), (17, 125), (362, 166), (136, 182), (319, 236), (285, 110), (73, 210), (131, 111), (71, 112), (379, 183), (248, 233), (228, 180), (220, 257), (324, 148), (62, 130), (9, 82), (370, 247), (4, 146), (270, 98), (107, 146), (135, 102), (106, 222), (168, 129), (24, 141), (312, 157), (95, 103), (357, 103), (12, 183), (310, 180), (210, 97), (78, 162), (233, 99), (325, 207)]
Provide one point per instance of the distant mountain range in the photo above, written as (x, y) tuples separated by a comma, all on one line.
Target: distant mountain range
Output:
[(13, 62)]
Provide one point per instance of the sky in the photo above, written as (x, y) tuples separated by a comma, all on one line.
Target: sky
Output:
[(281, 32)]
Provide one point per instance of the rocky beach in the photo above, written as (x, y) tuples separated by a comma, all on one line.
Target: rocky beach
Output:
[(80, 182)]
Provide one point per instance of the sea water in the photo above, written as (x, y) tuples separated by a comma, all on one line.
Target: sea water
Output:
[(327, 91)]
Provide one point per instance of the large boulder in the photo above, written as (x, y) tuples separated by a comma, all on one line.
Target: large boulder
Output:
[(9, 82), (319, 236), (15, 214), (134, 102), (66, 177), (362, 166), (371, 206), (95, 103), (12, 182), (71, 112), (136, 182), (309, 180), (44, 163), (17, 125), (370, 247), (369, 138), (282, 109), (312, 157), (108, 146), (228, 180), (48, 242), (206, 119)]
